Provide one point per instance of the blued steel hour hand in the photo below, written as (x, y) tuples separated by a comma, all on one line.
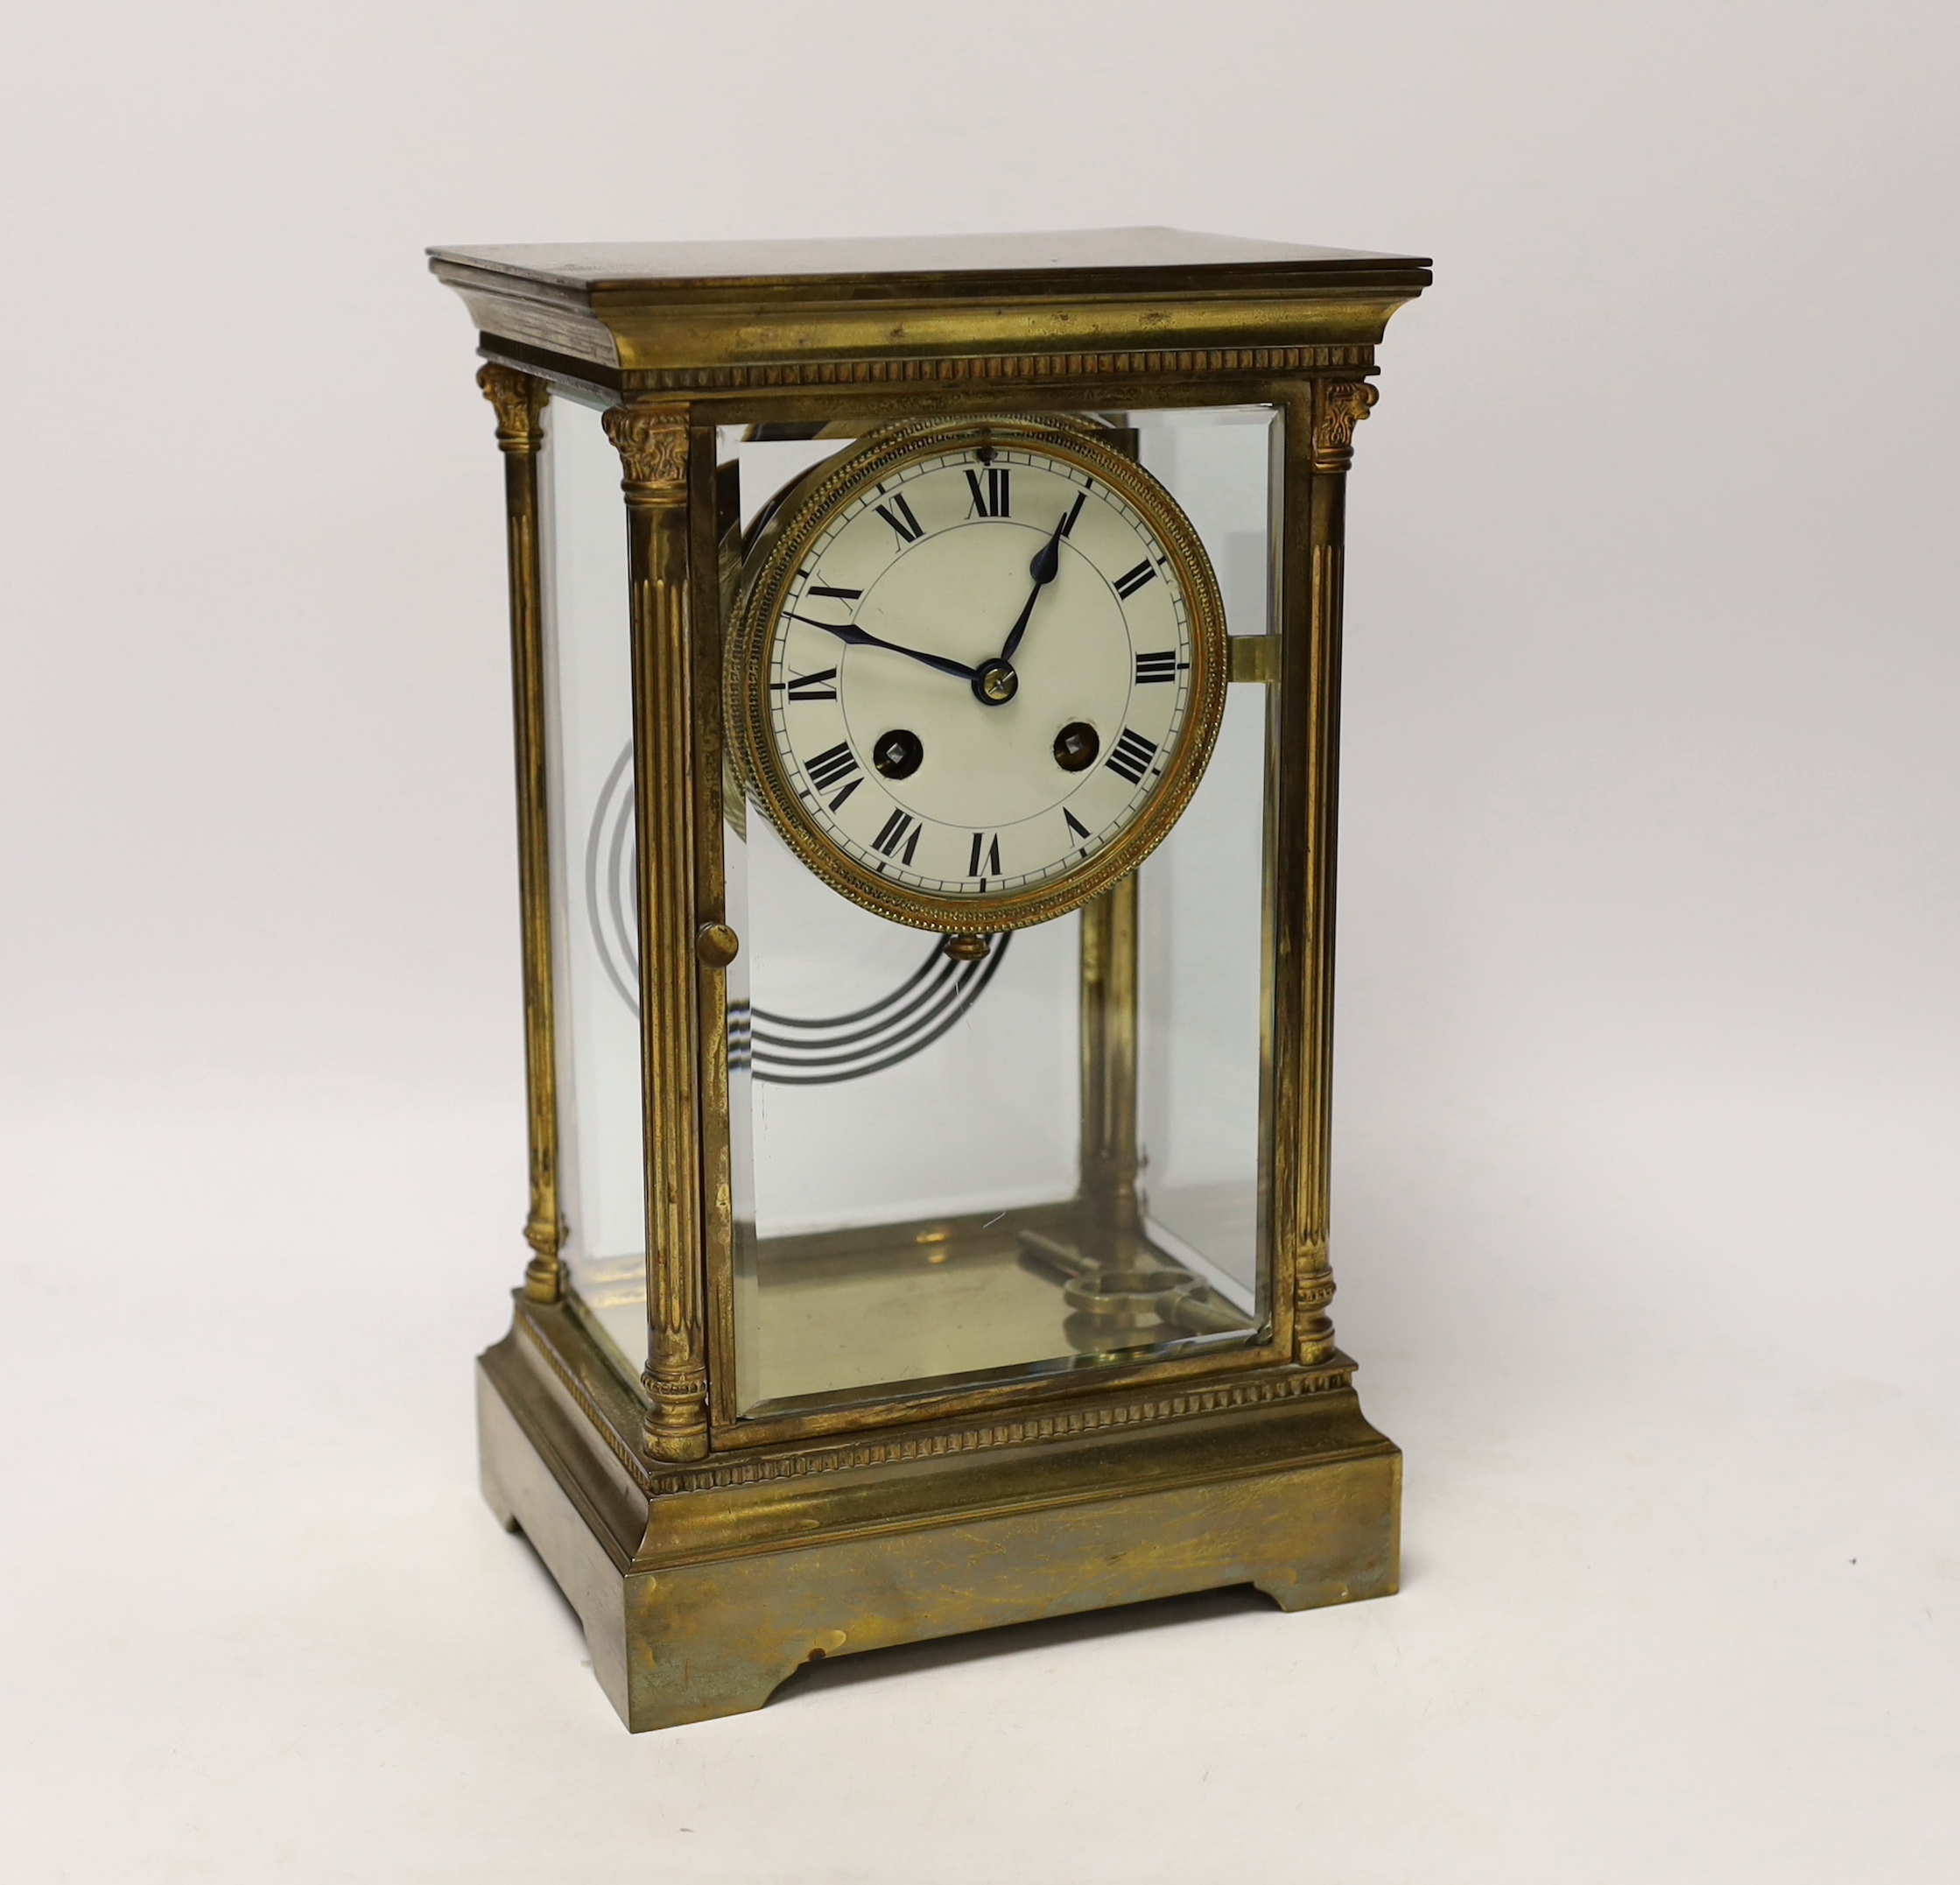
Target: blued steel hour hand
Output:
[(1047, 561), (857, 638)]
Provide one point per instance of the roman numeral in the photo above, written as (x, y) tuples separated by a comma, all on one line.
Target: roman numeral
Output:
[(809, 686), (1075, 510), (1075, 828), (898, 514), (1156, 667), (842, 595), (832, 768), (1132, 580), (893, 835), (990, 500), (992, 856), (1131, 756)]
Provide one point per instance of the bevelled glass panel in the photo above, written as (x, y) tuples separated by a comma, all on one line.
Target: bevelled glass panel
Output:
[(1206, 913), (595, 953), (949, 1172), (1205, 993), (906, 1114)]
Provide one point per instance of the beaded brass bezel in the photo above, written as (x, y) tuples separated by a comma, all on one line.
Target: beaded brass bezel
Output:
[(755, 621)]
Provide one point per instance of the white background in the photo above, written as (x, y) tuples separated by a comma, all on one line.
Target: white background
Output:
[(1646, 1196)]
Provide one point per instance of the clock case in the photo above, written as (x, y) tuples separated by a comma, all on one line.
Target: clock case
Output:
[(709, 1555)]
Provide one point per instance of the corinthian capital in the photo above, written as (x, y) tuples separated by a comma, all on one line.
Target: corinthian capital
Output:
[(1342, 406), (519, 399), (652, 446)]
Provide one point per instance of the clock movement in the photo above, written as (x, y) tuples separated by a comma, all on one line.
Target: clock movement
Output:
[(927, 666)]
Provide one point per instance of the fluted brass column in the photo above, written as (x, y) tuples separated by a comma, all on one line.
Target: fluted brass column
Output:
[(653, 443), (1320, 440), (519, 400)]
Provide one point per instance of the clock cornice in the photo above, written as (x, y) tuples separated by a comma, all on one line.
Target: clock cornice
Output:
[(1083, 304)]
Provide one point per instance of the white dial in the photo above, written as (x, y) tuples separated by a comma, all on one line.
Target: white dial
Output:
[(983, 665)]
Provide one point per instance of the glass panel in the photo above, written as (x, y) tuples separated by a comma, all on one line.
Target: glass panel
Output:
[(1219, 464), (1204, 1001), (1205, 915), (595, 933), (1047, 1159), (904, 1110)]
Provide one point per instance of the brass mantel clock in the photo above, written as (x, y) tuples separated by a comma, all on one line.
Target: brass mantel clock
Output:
[(925, 794)]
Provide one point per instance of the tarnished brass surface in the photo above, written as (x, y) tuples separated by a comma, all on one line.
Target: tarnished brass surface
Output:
[(931, 1306), (710, 1551), (711, 317), (940, 1306), (714, 537), (716, 945), (698, 1602), (1256, 658), (519, 401), (1108, 1035), (1004, 1390), (652, 444), (1320, 432)]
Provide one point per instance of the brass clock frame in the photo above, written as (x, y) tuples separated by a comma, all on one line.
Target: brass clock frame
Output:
[(708, 1554), (773, 560)]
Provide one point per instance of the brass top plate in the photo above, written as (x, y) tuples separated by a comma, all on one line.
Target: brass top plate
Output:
[(943, 267), (732, 310)]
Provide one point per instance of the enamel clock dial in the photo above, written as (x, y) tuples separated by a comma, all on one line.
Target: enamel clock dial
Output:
[(975, 671)]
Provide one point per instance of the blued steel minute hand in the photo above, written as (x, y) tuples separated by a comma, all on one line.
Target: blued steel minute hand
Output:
[(1047, 560), (857, 638)]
